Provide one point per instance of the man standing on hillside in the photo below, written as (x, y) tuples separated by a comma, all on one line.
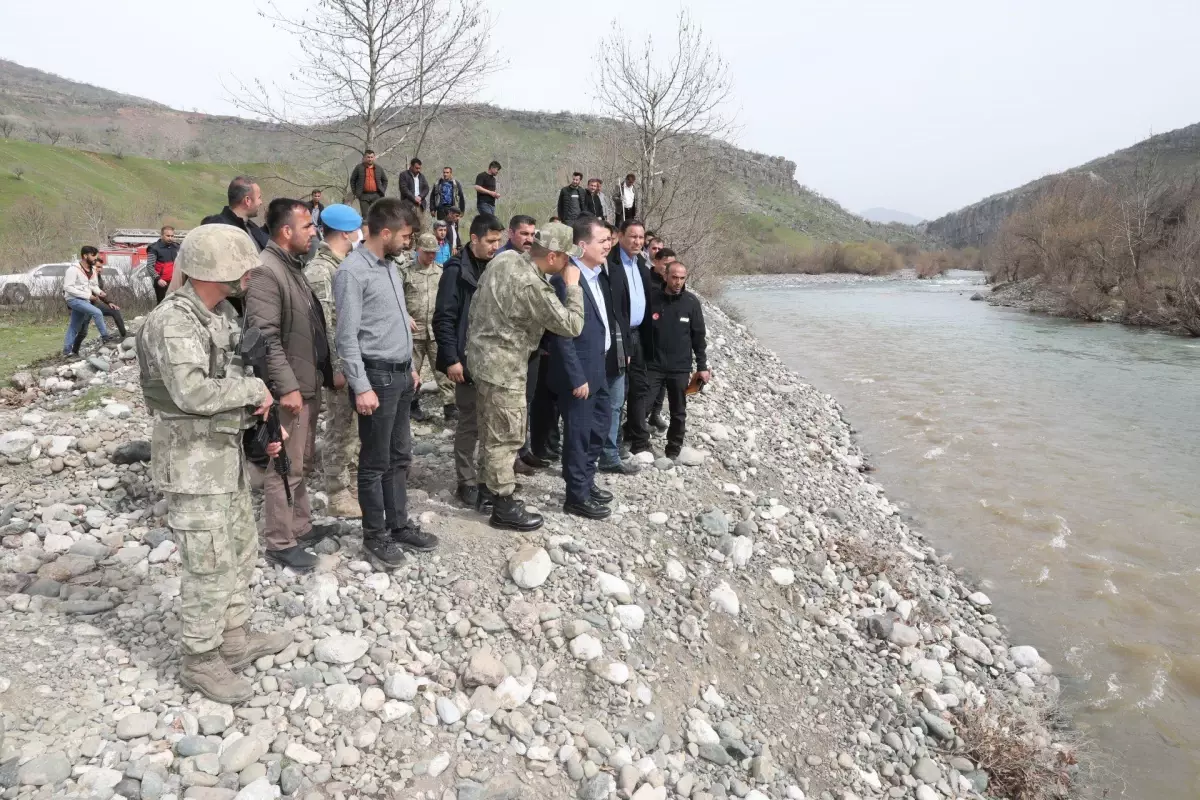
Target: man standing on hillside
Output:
[(421, 277), (375, 345), (200, 397), (594, 202), (570, 200), (317, 208), (160, 257), (456, 289), (280, 303), (452, 236), (515, 306), (485, 190), (447, 194), (414, 187), (625, 200), (245, 204), (340, 225), (368, 181)]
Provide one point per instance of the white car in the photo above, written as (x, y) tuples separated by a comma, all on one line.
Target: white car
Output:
[(45, 280)]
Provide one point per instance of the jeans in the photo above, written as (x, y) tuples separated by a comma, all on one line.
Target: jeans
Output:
[(108, 311), (486, 208), (611, 455), (385, 453), (585, 428), (635, 382), (82, 312)]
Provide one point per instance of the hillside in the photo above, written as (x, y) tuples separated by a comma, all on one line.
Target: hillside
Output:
[(890, 215), (766, 205), (1176, 152)]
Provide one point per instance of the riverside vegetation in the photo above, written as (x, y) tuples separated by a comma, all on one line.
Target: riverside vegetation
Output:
[(758, 621)]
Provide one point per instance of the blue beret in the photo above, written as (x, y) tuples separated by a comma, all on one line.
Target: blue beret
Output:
[(341, 217)]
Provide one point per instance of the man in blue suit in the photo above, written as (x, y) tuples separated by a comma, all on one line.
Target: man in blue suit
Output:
[(578, 376)]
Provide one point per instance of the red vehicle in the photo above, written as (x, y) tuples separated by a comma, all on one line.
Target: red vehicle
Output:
[(126, 247)]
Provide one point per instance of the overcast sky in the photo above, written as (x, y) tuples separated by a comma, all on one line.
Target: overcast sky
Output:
[(918, 105)]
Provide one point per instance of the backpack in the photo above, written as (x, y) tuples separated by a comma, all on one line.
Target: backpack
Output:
[(447, 193)]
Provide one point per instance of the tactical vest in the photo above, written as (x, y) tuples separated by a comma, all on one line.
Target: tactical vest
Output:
[(223, 358)]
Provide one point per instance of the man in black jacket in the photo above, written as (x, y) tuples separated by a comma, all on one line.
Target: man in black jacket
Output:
[(460, 276), (414, 187), (570, 200), (447, 194), (368, 181), (676, 334), (245, 204), (629, 283)]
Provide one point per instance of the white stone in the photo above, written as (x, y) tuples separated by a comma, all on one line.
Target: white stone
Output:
[(59, 445), (118, 410), (585, 647), (755, 794), (400, 686), (974, 649), (712, 697), (614, 672), (731, 489), (447, 712), (512, 693), (726, 599), (928, 670), (260, 789), (340, 649), (530, 566), (100, 778), (644, 457), (632, 617), (539, 753), (718, 432), (162, 552), (701, 731), (320, 592), (438, 764), (783, 576), (301, 754), (32, 418), (377, 582), (980, 600), (676, 571), (657, 518), (611, 585), (691, 457), (394, 710), (743, 549), (57, 543), (373, 699), (1024, 656), (16, 444), (650, 792), (343, 697)]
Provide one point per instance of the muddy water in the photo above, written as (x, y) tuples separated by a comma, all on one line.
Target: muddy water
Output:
[(1058, 462)]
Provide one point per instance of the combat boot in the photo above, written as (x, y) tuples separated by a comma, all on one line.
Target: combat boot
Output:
[(209, 675), (509, 513), (415, 412), (241, 646), (484, 500), (450, 412), (383, 551), (342, 504)]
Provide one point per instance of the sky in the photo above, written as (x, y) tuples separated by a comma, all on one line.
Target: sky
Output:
[(918, 105)]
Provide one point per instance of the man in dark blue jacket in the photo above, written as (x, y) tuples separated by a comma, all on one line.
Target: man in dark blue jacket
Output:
[(579, 377), (629, 279), (460, 276)]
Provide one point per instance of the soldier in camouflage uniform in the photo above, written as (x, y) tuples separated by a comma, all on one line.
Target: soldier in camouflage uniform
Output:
[(513, 308), (202, 399), (339, 455), (421, 277)]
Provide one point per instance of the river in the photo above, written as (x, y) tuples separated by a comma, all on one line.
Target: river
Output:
[(1058, 462)]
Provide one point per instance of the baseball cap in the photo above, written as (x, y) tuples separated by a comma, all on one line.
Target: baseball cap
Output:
[(556, 237), (341, 217), (427, 242)]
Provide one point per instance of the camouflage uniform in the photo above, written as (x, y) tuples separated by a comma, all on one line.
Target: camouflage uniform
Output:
[(513, 308), (339, 454), (420, 295), (201, 395)]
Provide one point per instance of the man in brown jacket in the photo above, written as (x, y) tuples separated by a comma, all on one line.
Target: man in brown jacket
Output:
[(280, 303)]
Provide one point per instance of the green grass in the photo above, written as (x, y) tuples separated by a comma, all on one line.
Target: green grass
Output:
[(26, 343)]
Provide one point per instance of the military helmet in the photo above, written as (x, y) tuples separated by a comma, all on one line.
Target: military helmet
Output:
[(427, 242), (217, 253)]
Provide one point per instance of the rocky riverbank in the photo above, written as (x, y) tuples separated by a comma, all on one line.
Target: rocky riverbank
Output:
[(757, 621), (1036, 295)]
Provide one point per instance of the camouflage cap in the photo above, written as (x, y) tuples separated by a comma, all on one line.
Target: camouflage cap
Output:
[(427, 242), (556, 237), (217, 253)]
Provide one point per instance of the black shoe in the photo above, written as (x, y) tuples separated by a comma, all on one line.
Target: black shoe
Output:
[(294, 557), (554, 449), (672, 453), (450, 413), (657, 421), (509, 513), (112, 337), (535, 461), (468, 494), (588, 510), (620, 468), (381, 550), (601, 496), (320, 530), (412, 537), (485, 500), (546, 456), (416, 414)]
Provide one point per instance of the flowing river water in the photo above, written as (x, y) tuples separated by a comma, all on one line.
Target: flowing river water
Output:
[(1057, 461)]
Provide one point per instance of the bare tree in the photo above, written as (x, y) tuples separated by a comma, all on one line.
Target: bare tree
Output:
[(674, 98), (95, 216), (373, 74), (52, 134), (7, 126)]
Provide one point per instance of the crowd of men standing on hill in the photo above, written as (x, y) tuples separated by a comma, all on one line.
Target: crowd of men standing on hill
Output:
[(554, 344)]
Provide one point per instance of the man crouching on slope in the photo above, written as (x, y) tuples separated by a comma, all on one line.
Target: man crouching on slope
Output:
[(201, 397)]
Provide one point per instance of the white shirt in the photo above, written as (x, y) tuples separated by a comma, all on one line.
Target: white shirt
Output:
[(416, 185), (78, 285), (591, 278), (627, 195)]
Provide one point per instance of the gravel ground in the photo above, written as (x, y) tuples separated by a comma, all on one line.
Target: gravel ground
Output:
[(757, 621)]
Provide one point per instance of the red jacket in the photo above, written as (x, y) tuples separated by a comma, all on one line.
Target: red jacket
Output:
[(161, 256)]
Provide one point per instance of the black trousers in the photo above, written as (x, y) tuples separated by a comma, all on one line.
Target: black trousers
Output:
[(159, 291), (533, 372), (108, 311), (636, 387), (675, 384), (385, 453), (585, 427), (543, 411)]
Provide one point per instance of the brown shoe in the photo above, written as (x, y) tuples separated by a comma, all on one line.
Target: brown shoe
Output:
[(521, 468), (342, 504), (242, 647), (208, 674)]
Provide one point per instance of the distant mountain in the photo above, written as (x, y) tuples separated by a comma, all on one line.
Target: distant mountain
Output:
[(889, 215)]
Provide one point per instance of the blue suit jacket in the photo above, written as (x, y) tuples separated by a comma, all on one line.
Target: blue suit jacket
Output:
[(574, 362)]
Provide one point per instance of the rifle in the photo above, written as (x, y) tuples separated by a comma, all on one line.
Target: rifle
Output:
[(266, 432)]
